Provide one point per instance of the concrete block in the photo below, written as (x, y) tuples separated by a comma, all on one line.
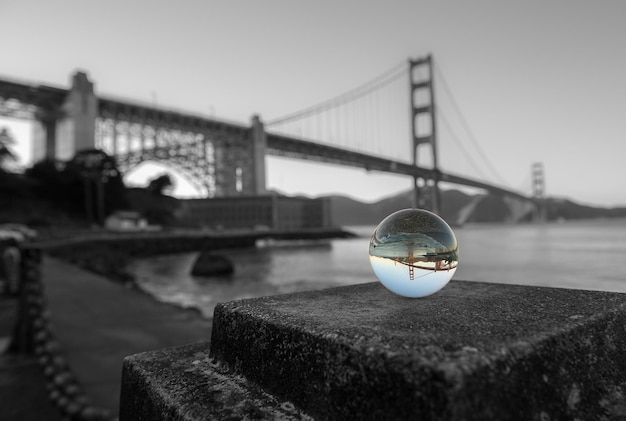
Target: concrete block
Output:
[(184, 384), (473, 351)]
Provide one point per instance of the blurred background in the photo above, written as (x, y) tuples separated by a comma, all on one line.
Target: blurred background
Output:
[(296, 123)]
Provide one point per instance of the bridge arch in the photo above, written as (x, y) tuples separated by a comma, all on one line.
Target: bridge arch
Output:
[(219, 159), (184, 184), (200, 172)]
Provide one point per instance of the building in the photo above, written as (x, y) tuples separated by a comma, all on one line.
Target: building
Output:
[(267, 212)]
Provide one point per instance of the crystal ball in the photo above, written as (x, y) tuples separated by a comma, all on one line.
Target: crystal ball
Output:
[(413, 253)]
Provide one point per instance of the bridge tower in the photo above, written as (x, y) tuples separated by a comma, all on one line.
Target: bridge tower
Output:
[(424, 130), (539, 189), (259, 145), (64, 120), (77, 125)]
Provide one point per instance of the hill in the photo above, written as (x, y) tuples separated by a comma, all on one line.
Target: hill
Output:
[(490, 208), (346, 211)]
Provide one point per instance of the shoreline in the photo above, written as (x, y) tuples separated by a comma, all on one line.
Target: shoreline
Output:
[(113, 266), (103, 257)]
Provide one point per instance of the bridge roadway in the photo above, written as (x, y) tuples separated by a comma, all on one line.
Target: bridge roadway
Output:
[(48, 99), (286, 146)]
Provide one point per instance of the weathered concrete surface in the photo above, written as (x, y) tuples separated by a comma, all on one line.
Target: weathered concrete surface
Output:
[(473, 351), (185, 384)]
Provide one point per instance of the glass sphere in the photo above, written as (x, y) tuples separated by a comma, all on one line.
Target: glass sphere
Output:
[(413, 253)]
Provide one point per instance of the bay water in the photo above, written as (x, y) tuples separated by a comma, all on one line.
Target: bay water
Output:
[(587, 254)]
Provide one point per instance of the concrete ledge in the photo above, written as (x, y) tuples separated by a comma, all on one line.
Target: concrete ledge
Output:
[(185, 384), (473, 351)]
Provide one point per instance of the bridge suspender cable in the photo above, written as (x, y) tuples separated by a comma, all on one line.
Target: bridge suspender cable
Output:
[(471, 136), (460, 145), (385, 78)]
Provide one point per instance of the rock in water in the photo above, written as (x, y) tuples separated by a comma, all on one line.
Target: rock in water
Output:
[(208, 264)]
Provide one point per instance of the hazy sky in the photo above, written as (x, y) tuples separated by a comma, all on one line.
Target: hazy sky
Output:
[(536, 80)]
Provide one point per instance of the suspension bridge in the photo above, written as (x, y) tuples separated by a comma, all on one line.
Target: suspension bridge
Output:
[(389, 124)]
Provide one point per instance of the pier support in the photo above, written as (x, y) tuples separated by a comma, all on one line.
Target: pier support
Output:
[(473, 351)]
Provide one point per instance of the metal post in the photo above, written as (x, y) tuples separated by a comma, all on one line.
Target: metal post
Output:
[(30, 302)]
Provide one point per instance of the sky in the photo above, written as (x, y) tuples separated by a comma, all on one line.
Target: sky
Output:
[(536, 81)]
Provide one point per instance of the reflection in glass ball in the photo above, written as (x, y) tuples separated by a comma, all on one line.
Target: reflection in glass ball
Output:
[(413, 252)]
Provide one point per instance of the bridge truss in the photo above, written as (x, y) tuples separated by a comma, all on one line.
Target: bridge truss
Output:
[(211, 154)]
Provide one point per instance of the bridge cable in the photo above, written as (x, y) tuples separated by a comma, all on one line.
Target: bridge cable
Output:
[(460, 145), (378, 82), (466, 126)]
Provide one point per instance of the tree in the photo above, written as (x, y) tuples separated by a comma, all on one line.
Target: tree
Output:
[(57, 185), (160, 184), (104, 189), (6, 142)]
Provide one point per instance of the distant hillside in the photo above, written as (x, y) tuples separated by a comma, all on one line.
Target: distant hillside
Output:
[(491, 208), (345, 211), (33, 202), (566, 209)]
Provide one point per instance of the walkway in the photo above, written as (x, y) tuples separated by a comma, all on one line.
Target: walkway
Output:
[(99, 322), (22, 383)]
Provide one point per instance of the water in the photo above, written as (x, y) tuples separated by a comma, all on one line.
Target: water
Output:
[(580, 255)]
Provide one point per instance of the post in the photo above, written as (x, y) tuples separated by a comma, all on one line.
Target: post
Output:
[(30, 303), (44, 135)]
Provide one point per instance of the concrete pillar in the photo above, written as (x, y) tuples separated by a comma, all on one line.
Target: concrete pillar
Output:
[(44, 136), (259, 144), (77, 127)]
